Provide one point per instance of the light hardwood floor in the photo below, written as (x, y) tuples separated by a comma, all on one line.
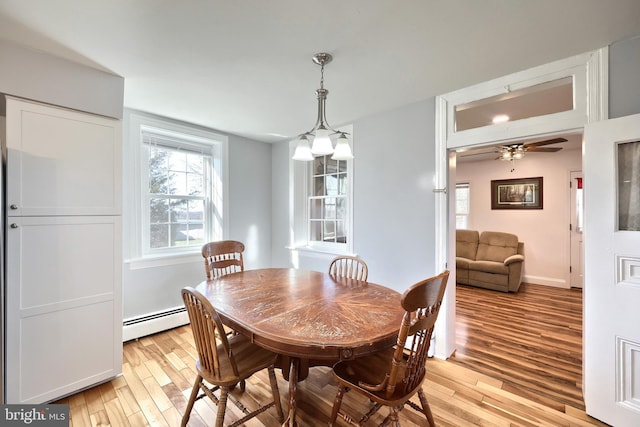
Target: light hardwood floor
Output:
[(501, 387)]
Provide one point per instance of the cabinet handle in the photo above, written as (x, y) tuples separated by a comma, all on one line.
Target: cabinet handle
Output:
[(14, 207), (14, 225)]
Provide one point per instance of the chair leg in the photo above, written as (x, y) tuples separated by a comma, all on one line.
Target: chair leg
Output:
[(222, 406), (276, 392), (336, 405), (192, 399), (392, 419), (426, 408)]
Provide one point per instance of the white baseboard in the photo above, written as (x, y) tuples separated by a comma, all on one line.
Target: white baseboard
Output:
[(546, 281), (151, 324)]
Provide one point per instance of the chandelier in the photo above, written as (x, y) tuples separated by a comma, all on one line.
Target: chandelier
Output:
[(512, 152), (321, 133)]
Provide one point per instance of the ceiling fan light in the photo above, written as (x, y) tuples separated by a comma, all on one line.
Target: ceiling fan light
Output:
[(506, 154), (322, 143), (343, 149), (303, 150)]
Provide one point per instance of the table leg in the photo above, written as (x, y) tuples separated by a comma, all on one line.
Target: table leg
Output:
[(293, 387)]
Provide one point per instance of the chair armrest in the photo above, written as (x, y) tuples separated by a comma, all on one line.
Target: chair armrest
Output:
[(514, 258)]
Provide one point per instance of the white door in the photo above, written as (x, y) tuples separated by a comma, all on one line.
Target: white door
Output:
[(576, 225), (612, 271)]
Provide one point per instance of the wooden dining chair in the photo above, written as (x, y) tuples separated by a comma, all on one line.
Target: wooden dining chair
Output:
[(391, 377), (224, 361), (349, 266), (222, 257)]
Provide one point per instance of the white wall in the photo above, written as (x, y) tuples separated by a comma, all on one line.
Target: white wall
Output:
[(394, 208), (41, 77), (545, 232)]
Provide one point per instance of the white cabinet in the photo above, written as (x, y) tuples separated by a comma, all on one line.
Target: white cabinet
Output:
[(64, 255), (62, 162)]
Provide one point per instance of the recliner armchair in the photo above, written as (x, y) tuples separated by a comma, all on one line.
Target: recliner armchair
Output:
[(491, 260)]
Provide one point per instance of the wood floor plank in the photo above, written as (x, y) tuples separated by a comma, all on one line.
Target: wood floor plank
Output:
[(518, 363)]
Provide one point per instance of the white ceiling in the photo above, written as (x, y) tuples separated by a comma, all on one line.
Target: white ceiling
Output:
[(244, 66)]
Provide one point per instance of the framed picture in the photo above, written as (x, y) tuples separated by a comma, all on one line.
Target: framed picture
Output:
[(522, 193)]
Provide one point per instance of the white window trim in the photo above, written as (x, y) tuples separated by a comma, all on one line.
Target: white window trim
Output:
[(594, 68), (136, 121), (299, 172)]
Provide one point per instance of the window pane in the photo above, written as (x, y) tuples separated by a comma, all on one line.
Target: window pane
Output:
[(177, 183), (315, 209), (629, 186), (315, 231), (329, 231), (341, 234), (542, 99), (159, 236), (158, 211), (332, 185), (158, 171), (330, 207), (332, 165), (318, 186), (341, 208), (195, 184), (318, 165), (342, 166), (342, 184)]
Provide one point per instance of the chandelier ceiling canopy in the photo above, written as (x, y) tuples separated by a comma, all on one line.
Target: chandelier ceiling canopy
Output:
[(321, 132)]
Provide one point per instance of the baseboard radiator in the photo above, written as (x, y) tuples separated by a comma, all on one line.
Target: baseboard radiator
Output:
[(137, 327)]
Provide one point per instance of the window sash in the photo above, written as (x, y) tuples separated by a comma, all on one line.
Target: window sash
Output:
[(327, 203), (179, 231)]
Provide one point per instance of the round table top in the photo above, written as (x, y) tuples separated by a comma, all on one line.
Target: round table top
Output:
[(307, 314)]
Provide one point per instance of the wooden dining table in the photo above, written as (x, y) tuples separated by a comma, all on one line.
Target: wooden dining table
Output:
[(308, 318)]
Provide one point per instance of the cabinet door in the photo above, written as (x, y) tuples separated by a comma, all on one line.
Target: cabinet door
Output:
[(64, 305), (61, 162)]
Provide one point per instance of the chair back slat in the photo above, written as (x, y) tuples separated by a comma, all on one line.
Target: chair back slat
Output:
[(208, 331), (222, 257), (422, 304), (350, 267)]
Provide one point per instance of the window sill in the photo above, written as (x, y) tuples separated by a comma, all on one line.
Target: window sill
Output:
[(312, 250), (163, 260)]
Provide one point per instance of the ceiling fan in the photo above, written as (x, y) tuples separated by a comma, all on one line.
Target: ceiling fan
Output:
[(516, 151)]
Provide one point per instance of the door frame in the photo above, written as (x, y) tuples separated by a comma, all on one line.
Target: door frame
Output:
[(589, 72)]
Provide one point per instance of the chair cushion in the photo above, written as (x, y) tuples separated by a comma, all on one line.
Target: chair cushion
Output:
[(496, 246), (467, 243)]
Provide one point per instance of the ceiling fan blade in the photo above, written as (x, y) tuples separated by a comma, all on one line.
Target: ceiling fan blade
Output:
[(546, 142), (543, 149)]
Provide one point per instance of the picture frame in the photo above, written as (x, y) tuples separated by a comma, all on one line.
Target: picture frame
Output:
[(520, 193)]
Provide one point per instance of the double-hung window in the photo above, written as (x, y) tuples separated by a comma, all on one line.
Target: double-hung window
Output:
[(180, 195), (462, 205), (328, 202), (322, 197)]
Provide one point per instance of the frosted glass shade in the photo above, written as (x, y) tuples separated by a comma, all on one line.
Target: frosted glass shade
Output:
[(343, 149), (322, 143), (303, 150)]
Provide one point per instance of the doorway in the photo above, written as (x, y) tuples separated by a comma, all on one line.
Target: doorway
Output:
[(589, 105)]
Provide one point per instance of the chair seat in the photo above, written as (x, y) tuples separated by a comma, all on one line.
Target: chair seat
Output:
[(249, 357), (371, 370)]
